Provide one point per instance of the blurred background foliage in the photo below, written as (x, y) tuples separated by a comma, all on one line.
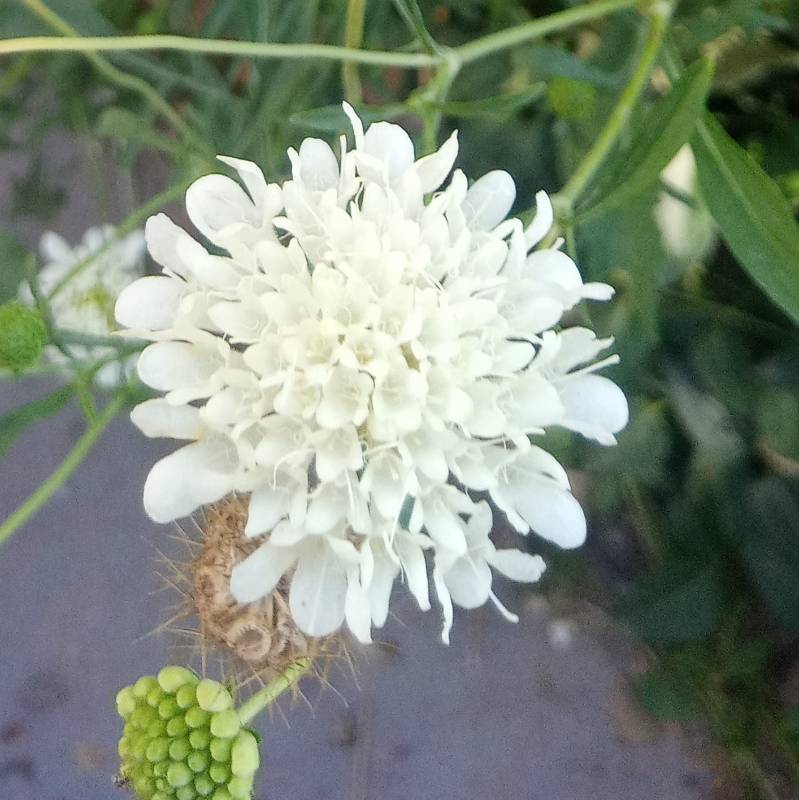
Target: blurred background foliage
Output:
[(700, 499)]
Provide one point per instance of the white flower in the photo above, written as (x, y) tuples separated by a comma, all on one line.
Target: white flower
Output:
[(85, 304), (373, 349)]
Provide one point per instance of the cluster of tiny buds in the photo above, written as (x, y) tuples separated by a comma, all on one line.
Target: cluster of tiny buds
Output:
[(183, 739), (23, 336)]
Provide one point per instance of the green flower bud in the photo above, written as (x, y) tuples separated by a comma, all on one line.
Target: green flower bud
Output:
[(143, 686), (244, 756), (225, 724), (221, 794), (155, 696), (178, 774), (172, 678), (176, 726), (240, 788), (204, 785), (179, 749), (157, 750), (212, 696), (168, 708), (197, 717), (220, 750), (198, 761), (126, 703), (185, 793), (219, 772), (186, 696), (200, 738), (22, 336)]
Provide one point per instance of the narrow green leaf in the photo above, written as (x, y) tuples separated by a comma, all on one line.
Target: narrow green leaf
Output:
[(14, 422), (332, 119), (412, 16), (497, 107), (655, 140), (547, 61), (755, 219)]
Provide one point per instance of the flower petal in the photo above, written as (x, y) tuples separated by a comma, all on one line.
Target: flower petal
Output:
[(157, 418), (489, 200), (552, 513), (149, 303), (594, 406), (181, 482), (318, 591), (516, 565), (433, 169), (258, 574)]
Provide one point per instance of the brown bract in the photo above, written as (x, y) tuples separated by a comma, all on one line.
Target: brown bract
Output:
[(262, 634)]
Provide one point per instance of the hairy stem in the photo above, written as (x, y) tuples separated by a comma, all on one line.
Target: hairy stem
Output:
[(73, 460), (260, 700)]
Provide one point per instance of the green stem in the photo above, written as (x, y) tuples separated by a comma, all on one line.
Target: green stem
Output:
[(472, 51), (129, 224), (73, 460), (266, 696), (535, 29), (68, 336), (221, 47), (576, 185), (106, 68), (353, 39)]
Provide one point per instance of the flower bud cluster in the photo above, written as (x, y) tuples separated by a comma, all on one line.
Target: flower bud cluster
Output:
[(183, 739), (22, 337)]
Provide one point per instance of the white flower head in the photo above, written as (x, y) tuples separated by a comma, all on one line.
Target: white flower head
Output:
[(85, 302), (375, 348)]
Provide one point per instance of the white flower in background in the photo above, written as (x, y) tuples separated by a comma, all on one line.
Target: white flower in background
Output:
[(86, 303), (687, 233), (372, 351)]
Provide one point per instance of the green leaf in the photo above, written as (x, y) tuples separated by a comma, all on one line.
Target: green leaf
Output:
[(499, 106), (120, 123), (332, 119), (547, 61), (667, 696), (680, 602), (771, 549), (754, 218), (14, 422), (12, 266), (655, 140), (778, 422)]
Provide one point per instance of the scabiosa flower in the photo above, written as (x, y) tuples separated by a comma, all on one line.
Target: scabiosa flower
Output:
[(86, 302), (371, 349)]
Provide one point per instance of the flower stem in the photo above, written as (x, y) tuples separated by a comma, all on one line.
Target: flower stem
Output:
[(536, 28), (260, 700), (576, 185), (353, 38), (73, 460), (106, 68), (472, 51)]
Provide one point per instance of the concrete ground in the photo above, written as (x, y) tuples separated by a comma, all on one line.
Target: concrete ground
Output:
[(537, 711)]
